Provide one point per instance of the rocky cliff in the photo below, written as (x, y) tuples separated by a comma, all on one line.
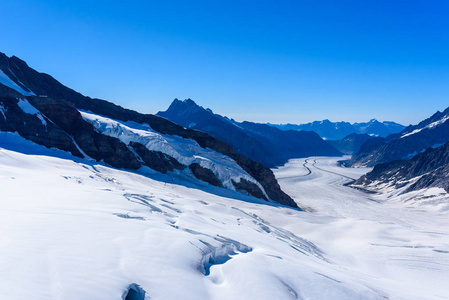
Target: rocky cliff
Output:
[(46, 112)]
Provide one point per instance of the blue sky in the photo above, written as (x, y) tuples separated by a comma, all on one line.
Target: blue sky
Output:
[(266, 61)]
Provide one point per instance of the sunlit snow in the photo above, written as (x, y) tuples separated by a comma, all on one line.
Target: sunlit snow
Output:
[(27, 108), (75, 229)]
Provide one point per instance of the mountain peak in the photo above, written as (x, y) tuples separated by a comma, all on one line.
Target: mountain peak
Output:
[(190, 102)]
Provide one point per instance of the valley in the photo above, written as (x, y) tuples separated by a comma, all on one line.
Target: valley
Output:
[(224, 150), (122, 229)]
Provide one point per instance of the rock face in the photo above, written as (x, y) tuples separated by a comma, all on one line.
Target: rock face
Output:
[(94, 144), (425, 170), (339, 130), (260, 142), (431, 132), (44, 111), (157, 160), (31, 127), (266, 178), (204, 174), (249, 187)]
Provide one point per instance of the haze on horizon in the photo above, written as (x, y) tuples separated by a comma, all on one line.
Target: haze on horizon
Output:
[(263, 61)]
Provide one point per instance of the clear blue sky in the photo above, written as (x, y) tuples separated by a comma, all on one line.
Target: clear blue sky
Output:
[(267, 61)]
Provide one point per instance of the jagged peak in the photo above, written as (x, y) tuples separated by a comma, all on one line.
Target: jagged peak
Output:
[(190, 102), (187, 103), (15, 58)]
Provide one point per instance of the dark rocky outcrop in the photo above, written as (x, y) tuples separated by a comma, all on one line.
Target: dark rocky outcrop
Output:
[(438, 178), (431, 132), (432, 165), (266, 178), (32, 128), (249, 187), (96, 145), (205, 174), (157, 160)]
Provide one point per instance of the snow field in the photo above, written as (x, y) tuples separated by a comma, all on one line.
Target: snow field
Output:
[(81, 230), (399, 248)]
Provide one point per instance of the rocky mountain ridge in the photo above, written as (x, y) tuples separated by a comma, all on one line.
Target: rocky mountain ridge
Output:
[(42, 110), (261, 142), (425, 170), (432, 132)]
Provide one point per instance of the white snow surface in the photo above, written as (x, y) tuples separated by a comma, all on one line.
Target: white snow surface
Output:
[(74, 229), (185, 151), (5, 80), (27, 108)]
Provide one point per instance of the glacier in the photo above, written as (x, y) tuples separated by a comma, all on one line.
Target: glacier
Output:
[(77, 229)]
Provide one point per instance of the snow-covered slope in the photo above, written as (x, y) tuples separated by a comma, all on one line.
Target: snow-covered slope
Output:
[(81, 230), (397, 243), (185, 151)]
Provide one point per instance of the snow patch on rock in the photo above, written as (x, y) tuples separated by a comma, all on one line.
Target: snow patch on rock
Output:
[(185, 151), (430, 126), (5, 80), (27, 108)]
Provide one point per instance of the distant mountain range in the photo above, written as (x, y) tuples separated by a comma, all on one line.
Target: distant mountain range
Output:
[(338, 130), (42, 110), (266, 144)]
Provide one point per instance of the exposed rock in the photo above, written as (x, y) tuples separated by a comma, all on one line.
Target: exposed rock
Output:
[(205, 174), (249, 187), (266, 178), (438, 178), (31, 127), (96, 145), (157, 160), (431, 132), (432, 165)]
